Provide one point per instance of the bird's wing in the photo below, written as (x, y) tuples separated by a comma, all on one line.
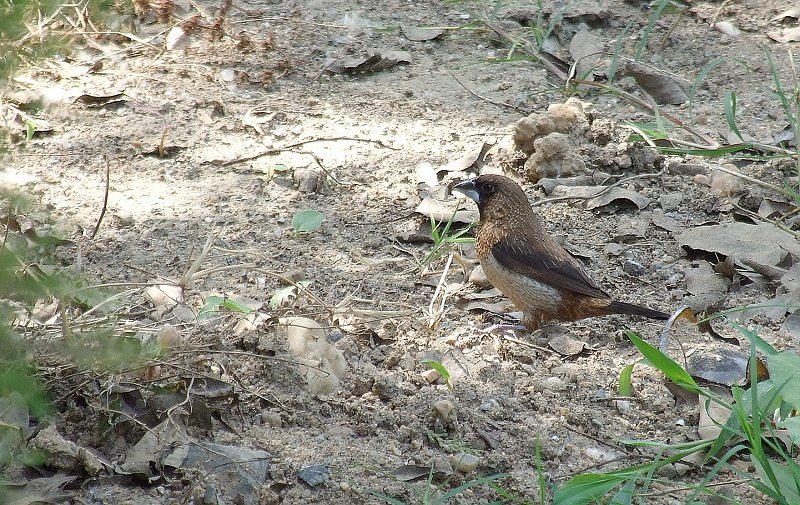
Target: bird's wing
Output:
[(558, 270)]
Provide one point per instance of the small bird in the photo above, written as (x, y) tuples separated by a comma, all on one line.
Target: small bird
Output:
[(527, 265)]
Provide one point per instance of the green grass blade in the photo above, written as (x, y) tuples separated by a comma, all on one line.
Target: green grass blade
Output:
[(651, 23), (463, 487), (614, 63), (625, 385), (661, 361), (730, 113), (707, 69)]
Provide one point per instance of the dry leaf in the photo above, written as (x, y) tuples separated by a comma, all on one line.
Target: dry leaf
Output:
[(420, 34), (586, 50), (763, 243), (664, 87), (786, 35)]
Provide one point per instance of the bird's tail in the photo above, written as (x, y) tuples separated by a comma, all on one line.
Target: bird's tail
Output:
[(636, 310)]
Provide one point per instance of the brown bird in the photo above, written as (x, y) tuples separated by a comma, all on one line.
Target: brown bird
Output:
[(524, 262)]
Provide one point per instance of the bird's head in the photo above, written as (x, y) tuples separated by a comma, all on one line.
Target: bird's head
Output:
[(498, 197)]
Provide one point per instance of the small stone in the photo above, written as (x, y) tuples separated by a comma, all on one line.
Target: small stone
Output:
[(490, 404), (271, 418), (478, 277), (623, 406), (314, 475), (553, 384), (670, 201), (464, 462), (442, 465), (443, 409), (634, 268), (431, 375), (344, 486), (407, 362)]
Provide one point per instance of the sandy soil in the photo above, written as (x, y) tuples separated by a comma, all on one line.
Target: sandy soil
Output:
[(247, 117)]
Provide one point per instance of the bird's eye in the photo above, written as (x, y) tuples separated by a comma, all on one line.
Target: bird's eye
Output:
[(489, 188)]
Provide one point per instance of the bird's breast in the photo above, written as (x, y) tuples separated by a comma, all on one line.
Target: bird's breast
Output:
[(526, 293)]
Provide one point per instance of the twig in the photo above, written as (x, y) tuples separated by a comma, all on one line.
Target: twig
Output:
[(605, 189), (277, 150), (528, 344), (481, 97), (105, 199)]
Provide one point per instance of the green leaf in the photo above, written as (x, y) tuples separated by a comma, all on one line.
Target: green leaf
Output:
[(661, 361), (792, 425), (784, 368), (625, 387), (585, 488), (787, 478), (440, 369), (307, 221), (215, 304), (730, 113)]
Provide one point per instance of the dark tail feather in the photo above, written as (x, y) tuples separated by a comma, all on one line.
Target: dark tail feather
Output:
[(636, 310)]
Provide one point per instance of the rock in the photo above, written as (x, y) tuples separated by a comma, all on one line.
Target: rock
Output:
[(478, 277), (464, 462), (443, 409), (314, 475), (431, 375)]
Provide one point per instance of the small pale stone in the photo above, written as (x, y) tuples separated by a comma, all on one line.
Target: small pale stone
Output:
[(464, 462), (553, 384), (431, 375), (623, 406), (443, 409), (478, 277)]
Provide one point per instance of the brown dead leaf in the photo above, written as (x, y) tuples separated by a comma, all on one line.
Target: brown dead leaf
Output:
[(785, 35), (763, 242), (374, 61), (665, 88), (586, 50)]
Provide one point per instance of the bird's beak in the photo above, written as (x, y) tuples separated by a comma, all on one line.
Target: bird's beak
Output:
[(466, 188)]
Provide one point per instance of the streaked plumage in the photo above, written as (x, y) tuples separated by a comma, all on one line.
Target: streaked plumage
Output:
[(524, 262)]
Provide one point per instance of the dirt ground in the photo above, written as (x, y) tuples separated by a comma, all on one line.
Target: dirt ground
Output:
[(229, 137)]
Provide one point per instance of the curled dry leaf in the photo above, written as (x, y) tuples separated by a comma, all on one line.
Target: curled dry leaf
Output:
[(786, 35), (443, 211), (419, 33), (586, 49), (665, 88)]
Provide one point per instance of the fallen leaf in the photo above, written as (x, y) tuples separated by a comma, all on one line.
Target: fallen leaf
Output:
[(720, 366), (785, 35), (763, 242), (793, 12), (665, 88), (419, 33), (444, 211), (374, 61), (586, 49)]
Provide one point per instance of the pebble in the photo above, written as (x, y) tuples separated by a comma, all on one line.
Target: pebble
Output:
[(623, 406), (464, 462), (271, 418), (314, 475), (554, 384), (431, 376), (443, 409)]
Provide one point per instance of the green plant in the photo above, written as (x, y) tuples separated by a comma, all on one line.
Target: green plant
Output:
[(307, 221), (755, 415), (428, 494), (444, 241), (441, 370)]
